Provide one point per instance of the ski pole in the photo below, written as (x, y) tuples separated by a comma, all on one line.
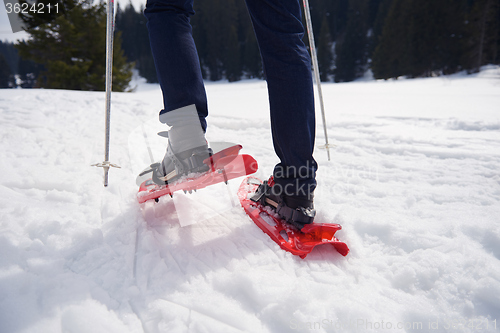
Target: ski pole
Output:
[(314, 57), (109, 71)]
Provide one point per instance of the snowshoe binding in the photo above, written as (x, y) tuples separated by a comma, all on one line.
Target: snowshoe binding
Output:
[(177, 165), (296, 210), (220, 167), (289, 222)]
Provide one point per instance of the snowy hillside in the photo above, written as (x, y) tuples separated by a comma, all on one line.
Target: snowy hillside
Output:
[(414, 180)]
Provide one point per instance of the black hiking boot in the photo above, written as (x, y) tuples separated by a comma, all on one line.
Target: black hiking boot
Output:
[(295, 210)]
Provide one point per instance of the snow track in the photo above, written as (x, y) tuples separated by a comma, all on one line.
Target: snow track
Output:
[(414, 180)]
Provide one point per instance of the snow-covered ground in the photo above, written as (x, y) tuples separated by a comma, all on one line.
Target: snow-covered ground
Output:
[(414, 179)]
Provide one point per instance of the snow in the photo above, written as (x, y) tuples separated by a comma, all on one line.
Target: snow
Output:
[(414, 180)]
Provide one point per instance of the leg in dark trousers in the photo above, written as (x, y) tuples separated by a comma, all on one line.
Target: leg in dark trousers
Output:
[(287, 64), (175, 55)]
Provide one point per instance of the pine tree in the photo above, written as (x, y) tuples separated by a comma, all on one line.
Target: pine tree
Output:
[(72, 49), (29, 72), (324, 50), (11, 55), (232, 61), (388, 59), (252, 62), (379, 20), (336, 12), (483, 35), (351, 48), (4, 72), (135, 41), (378, 10), (421, 38), (217, 37), (145, 63)]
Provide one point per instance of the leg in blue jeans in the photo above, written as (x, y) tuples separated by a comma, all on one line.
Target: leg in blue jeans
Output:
[(279, 32)]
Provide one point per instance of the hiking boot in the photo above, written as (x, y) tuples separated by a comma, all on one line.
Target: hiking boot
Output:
[(187, 146), (295, 210), (175, 165)]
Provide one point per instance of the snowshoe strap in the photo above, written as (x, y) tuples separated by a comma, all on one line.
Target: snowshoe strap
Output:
[(298, 215), (193, 163), (153, 167), (259, 194)]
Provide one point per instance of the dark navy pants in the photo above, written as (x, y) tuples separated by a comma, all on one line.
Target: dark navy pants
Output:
[(279, 31)]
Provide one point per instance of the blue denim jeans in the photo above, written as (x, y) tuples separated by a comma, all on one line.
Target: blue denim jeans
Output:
[(287, 65)]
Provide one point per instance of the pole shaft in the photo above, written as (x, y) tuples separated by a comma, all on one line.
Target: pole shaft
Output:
[(109, 78), (314, 57)]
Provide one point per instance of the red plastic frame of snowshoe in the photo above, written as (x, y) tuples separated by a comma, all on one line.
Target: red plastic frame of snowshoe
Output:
[(224, 165), (299, 243)]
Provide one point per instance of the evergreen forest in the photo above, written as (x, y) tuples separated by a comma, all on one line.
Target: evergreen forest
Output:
[(392, 38)]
